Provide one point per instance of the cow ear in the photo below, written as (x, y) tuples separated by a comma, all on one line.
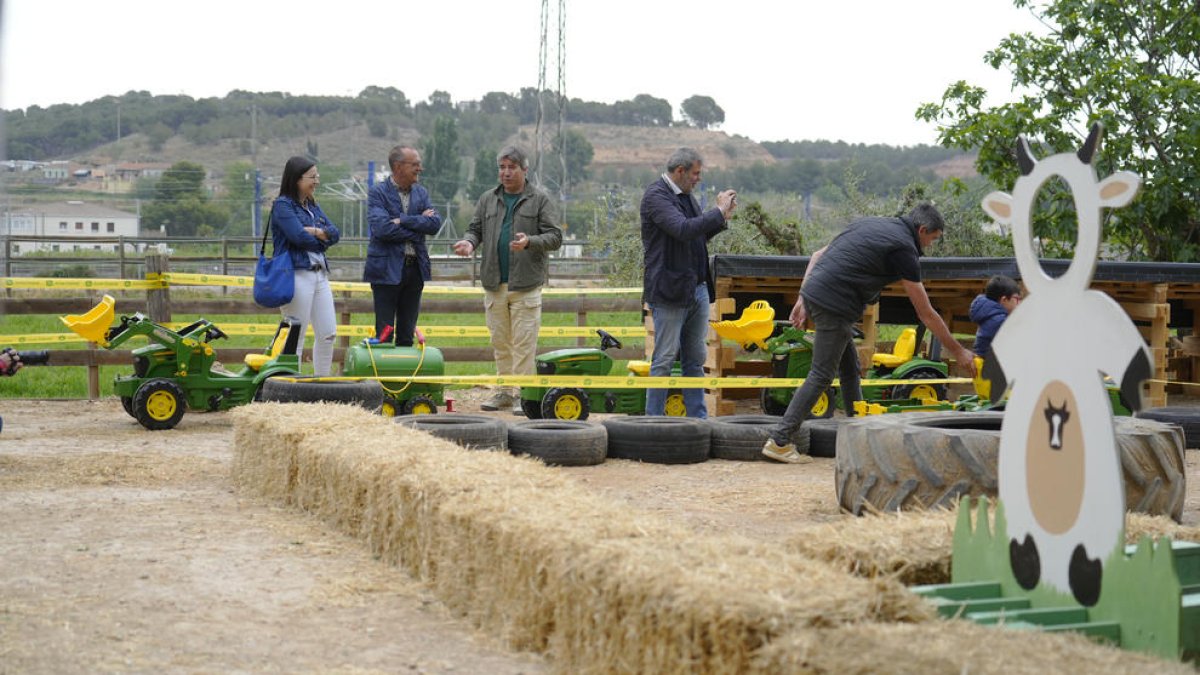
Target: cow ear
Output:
[(998, 205), (1119, 189)]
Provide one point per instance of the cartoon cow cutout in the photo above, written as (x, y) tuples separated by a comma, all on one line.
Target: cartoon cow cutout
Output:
[(1059, 463)]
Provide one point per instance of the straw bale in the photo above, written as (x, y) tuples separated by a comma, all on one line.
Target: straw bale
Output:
[(533, 557), (915, 546), (951, 647)]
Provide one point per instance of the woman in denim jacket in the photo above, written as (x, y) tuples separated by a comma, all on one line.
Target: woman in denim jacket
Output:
[(302, 229)]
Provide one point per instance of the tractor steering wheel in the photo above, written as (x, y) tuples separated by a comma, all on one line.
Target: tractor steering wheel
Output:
[(215, 333), (607, 341)]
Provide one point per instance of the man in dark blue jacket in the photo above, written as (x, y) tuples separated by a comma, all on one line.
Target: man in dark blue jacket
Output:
[(399, 216), (677, 283)]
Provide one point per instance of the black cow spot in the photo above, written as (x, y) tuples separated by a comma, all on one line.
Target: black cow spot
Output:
[(1085, 577), (1026, 565)]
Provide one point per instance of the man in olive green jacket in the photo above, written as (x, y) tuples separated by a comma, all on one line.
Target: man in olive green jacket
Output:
[(514, 227)]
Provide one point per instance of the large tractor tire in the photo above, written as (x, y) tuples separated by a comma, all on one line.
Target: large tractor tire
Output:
[(914, 460)]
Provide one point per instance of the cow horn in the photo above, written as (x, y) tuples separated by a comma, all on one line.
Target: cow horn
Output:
[(1025, 158), (1088, 150)]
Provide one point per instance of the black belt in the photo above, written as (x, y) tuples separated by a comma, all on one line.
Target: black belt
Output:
[(316, 268)]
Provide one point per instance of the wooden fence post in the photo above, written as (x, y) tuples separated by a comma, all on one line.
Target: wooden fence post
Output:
[(158, 300)]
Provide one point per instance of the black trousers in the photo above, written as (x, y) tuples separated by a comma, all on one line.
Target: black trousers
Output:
[(399, 305)]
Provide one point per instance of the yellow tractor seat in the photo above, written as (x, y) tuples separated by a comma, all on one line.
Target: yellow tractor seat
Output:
[(257, 361), (902, 353), (640, 368), (93, 325), (754, 326)]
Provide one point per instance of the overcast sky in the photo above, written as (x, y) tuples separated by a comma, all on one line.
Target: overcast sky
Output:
[(781, 69)]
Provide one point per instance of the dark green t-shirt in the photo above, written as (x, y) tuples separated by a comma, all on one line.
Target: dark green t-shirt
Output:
[(502, 252)]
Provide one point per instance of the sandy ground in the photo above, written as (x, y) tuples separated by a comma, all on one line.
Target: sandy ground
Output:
[(125, 550)]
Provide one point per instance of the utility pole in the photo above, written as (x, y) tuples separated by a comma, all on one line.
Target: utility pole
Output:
[(257, 202)]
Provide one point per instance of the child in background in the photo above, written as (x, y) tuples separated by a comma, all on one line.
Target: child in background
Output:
[(990, 308)]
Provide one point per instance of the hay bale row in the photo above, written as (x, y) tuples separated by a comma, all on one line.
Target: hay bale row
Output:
[(529, 555), (532, 557)]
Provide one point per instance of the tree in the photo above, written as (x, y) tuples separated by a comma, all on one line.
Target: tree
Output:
[(702, 111), (578, 153), (441, 160), (483, 176), (239, 195), (181, 205), (1132, 67)]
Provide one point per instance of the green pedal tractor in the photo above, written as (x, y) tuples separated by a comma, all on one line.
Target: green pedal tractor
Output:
[(177, 370), (576, 403), (791, 356)]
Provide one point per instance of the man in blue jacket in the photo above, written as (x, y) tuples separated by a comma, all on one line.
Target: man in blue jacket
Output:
[(677, 283), (399, 216)]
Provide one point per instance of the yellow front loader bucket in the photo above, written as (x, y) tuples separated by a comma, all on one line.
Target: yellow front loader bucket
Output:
[(754, 326), (93, 326)]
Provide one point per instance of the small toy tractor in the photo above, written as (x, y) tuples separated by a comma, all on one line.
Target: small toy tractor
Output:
[(385, 359), (178, 370), (791, 356), (575, 403)]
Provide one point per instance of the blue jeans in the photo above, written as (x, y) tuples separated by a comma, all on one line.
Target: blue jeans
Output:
[(679, 334), (833, 350)]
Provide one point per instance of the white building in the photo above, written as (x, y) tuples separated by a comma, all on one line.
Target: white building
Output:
[(72, 219)]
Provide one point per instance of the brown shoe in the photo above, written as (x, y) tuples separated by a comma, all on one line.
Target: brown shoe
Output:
[(784, 453)]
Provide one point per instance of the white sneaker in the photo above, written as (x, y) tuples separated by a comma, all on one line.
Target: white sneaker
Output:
[(784, 453)]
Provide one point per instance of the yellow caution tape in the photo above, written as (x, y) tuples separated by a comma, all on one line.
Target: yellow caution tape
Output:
[(354, 331), (80, 283), (617, 381), (183, 279)]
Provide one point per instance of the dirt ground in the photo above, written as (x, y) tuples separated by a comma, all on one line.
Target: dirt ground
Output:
[(126, 550)]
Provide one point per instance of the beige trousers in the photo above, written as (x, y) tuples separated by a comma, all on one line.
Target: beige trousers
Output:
[(513, 318)]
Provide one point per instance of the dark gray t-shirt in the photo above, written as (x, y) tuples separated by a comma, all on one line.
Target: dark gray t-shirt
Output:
[(868, 255)]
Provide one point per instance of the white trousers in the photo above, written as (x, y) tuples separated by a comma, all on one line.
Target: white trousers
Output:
[(312, 304)]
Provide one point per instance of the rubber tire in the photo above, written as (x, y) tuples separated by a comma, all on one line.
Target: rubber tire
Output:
[(770, 406), (146, 394), (389, 406), (905, 390), (478, 432), (409, 407), (365, 393), (909, 460), (658, 440), (559, 442), (823, 435), (741, 437), (127, 404), (1186, 417), (551, 399), (532, 409)]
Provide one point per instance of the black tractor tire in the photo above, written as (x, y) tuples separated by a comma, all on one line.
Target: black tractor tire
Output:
[(389, 407), (769, 405), (658, 440), (532, 409), (772, 407), (1188, 418), (419, 405), (914, 460), (365, 393), (566, 403), (478, 432), (127, 404), (823, 435), (907, 390), (559, 442), (159, 404), (741, 437)]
